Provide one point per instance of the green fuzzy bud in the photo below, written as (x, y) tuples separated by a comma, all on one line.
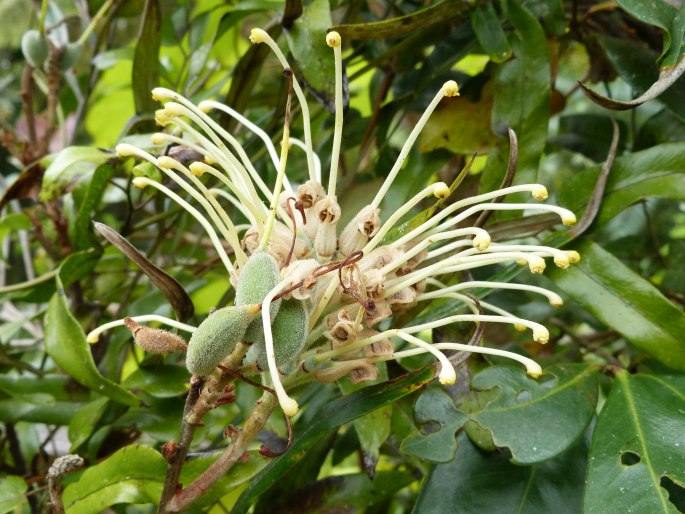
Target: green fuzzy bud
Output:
[(290, 334), (217, 336), (71, 52), (257, 277), (35, 48)]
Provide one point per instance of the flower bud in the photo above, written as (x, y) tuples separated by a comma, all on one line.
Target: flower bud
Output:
[(217, 336), (290, 334), (357, 233), (155, 340)]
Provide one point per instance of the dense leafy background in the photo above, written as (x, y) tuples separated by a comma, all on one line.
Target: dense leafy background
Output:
[(603, 430)]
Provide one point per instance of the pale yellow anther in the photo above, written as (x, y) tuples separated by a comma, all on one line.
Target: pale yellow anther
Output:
[(555, 300), (541, 335), (540, 193), (536, 264), (482, 242), (93, 337), (289, 406), (164, 161), (209, 160), (162, 118), (162, 93), (174, 109), (140, 182), (447, 376), (520, 328), (561, 260), (450, 88), (197, 168), (573, 256), (257, 36), (126, 150), (205, 106), (568, 219), (441, 190), (333, 39), (158, 138), (533, 369)]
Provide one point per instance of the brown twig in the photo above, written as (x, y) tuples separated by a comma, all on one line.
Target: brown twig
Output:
[(27, 101), (254, 423)]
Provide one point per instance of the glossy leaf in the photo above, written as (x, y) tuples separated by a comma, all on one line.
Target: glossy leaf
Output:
[(83, 230), (521, 96), (624, 301), (146, 64), (438, 421), (85, 421), (48, 412), (12, 489), (161, 381), (638, 440), (65, 342), (658, 172), (336, 413), (479, 481), (489, 32), (537, 419), (454, 10), (132, 475), (635, 64), (664, 15), (68, 166), (307, 41)]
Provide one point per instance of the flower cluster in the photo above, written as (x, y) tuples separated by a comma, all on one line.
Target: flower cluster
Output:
[(311, 293)]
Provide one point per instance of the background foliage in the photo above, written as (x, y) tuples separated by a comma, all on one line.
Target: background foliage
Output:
[(602, 431)]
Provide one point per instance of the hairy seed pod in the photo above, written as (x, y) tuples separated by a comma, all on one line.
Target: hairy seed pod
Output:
[(217, 336), (155, 340), (290, 334), (35, 48), (257, 277)]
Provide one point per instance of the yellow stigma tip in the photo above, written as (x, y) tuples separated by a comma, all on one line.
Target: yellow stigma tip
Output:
[(140, 182), (450, 88), (205, 106), (569, 219), (289, 406), (540, 193), (333, 39), (534, 370), (441, 190), (165, 161), (257, 36), (573, 256)]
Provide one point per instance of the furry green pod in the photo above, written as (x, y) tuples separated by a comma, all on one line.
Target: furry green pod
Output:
[(257, 277), (290, 334), (35, 48), (217, 336)]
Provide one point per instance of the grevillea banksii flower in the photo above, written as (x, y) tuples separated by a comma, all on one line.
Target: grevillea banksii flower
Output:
[(348, 280)]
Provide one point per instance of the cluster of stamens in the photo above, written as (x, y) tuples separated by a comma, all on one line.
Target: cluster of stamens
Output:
[(352, 278)]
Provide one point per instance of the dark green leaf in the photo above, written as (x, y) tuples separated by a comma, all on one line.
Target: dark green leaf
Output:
[(66, 343), (638, 441), (664, 15), (635, 64), (626, 302), (521, 97), (489, 32), (162, 381), (336, 413), (68, 166), (50, 412), (168, 285), (478, 481), (454, 11), (84, 236), (145, 75), (85, 421), (132, 475), (438, 421), (537, 419), (307, 41)]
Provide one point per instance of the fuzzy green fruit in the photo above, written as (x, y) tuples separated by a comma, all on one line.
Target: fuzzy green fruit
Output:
[(217, 337), (71, 53), (257, 277), (35, 48), (290, 334)]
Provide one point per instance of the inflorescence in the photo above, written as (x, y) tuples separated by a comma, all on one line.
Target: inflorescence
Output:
[(300, 278)]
